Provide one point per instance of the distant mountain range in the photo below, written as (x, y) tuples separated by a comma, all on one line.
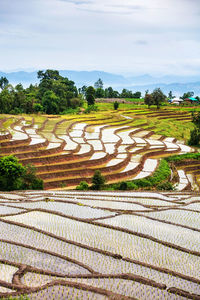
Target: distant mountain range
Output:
[(177, 84)]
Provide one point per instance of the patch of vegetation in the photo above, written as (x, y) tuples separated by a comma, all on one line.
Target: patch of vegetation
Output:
[(83, 186), (21, 297), (53, 95), (175, 158), (91, 108), (98, 181), (194, 139), (14, 176), (116, 105), (159, 180)]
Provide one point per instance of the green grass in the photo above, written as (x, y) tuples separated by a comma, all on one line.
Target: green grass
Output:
[(22, 297), (181, 157), (157, 181)]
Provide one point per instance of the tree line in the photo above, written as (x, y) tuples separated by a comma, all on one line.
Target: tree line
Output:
[(100, 92), (56, 94), (53, 95)]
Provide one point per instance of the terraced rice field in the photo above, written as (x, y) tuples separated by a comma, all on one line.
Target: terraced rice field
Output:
[(67, 150), (100, 245)]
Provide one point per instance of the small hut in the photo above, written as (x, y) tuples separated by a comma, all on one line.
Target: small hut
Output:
[(176, 101)]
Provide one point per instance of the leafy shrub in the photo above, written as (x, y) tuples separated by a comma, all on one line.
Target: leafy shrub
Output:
[(21, 297), (165, 186), (97, 181), (70, 110), (37, 107), (161, 174), (30, 180), (116, 105), (194, 137), (83, 186), (91, 108), (75, 102), (14, 176), (131, 186), (142, 183), (175, 158), (123, 186), (16, 111)]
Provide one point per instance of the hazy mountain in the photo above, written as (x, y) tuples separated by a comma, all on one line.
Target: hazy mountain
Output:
[(22, 77), (177, 88), (90, 77), (148, 79), (177, 84)]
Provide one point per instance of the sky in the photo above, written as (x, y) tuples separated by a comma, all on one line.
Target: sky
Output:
[(157, 37)]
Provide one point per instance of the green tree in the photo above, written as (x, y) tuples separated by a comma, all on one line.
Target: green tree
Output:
[(187, 95), (97, 181), (19, 98), (99, 93), (3, 82), (11, 173), (48, 75), (148, 100), (170, 95), (123, 186), (7, 99), (83, 90), (90, 93), (30, 180), (109, 92), (195, 133), (14, 176), (54, 93), (83, 186), (116, 105), (126, 94), (158, 97), (98, 84), (194, 137), (50, 103), (60, 88), (37, 107), (137, 95)]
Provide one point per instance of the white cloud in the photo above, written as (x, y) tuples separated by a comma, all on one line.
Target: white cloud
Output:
[(149, 36)]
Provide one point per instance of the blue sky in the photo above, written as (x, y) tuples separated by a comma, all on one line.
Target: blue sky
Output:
[(121, 36)]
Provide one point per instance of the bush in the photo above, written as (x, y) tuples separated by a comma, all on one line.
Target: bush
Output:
[(30, 180), (91, 108), (116, 105), (161, 174), (14, 176), (16, 111), (194, 137), (142, 183), (37, 107), (165, 186), (75, 102), (175, 158), (83, 186), (131, 186), (97, 181), (70, 110), (123, 186), (21, 297)]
